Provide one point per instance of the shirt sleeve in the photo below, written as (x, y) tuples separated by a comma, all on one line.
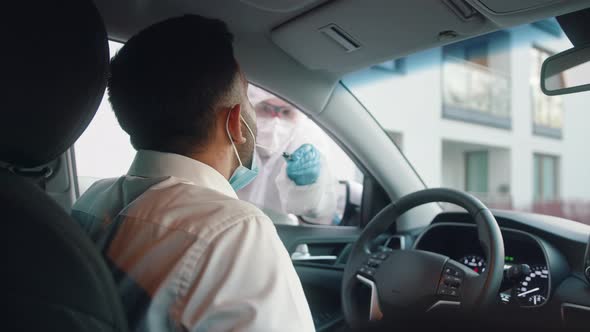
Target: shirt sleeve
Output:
[(245, 281)]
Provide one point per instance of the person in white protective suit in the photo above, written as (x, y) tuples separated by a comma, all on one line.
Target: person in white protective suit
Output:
[(294, 176)]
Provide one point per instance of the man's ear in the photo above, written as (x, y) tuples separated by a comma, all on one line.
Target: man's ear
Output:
[(235, 125)]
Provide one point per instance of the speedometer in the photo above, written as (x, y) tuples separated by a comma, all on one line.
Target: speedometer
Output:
[(532, 290), (475, 262)]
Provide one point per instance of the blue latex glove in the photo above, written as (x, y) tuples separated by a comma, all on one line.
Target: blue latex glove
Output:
[(303, 166)]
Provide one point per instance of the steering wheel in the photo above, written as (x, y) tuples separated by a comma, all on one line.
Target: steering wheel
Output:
[(407, 282)]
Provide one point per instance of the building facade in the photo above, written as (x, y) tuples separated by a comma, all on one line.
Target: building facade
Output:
[(471, 116)]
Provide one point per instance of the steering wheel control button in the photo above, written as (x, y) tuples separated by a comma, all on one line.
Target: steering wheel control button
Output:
[(454, 272), (451, 281), (448, 291), (373, 263), (380, 255), (367, 271)]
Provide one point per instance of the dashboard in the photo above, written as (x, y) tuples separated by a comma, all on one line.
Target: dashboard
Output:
[(544, 284), (527, 281), (553, 248)]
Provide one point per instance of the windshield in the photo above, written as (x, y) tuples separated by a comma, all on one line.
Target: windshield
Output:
[(471, 116)]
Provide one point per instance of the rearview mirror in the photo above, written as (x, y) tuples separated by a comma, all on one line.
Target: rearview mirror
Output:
[(566, 72)]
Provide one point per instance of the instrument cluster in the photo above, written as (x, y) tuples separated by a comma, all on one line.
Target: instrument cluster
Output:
[(527, 278), (526, 285)]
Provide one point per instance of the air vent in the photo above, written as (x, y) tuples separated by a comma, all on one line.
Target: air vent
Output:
[(462, 9), (338, 35)]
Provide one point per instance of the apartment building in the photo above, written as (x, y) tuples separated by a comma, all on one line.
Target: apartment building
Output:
[(471, 116)]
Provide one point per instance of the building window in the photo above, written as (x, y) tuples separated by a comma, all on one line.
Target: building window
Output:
[(476, 172), (547, 110), (546, 177), (476, 83)]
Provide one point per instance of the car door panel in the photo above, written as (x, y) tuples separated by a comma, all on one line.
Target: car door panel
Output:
[(321, 278)]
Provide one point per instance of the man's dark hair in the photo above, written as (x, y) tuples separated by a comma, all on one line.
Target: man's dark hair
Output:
[(166, 81)]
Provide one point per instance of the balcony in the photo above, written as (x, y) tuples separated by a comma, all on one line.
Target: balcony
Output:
[(475, 93)]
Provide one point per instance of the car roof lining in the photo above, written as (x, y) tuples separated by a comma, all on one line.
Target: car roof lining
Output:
[(283, 51)]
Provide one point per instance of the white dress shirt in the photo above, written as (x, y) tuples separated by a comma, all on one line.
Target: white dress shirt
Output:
[(186, 254)]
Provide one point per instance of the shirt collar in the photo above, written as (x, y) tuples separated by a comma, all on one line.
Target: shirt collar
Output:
[(152, 164)]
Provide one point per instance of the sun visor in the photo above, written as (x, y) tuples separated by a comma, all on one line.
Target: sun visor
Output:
[(347, 35), (344, 35)]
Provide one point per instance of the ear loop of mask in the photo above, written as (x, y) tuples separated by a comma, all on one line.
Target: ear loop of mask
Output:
[(232, 140)]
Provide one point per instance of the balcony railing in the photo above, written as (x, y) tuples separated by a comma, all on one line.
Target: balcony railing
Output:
[(475, 93)]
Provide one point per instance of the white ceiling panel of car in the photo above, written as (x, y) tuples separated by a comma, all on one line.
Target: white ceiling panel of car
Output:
[(281, 47)]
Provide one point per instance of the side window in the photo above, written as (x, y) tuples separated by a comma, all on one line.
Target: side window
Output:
[(304, 176), (104, 149)]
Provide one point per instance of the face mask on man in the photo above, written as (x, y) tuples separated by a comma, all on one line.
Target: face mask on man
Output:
[(242, 175), (273, 134)]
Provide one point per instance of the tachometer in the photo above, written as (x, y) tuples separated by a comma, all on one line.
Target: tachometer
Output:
[(532, 290), (475, 262)]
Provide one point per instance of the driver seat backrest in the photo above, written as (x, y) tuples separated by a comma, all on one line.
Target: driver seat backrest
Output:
[(55, 63)]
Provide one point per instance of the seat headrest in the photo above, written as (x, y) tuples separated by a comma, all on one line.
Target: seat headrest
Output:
[(55, 63)]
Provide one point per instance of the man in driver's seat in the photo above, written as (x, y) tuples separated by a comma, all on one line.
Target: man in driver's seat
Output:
[(186, 254)]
